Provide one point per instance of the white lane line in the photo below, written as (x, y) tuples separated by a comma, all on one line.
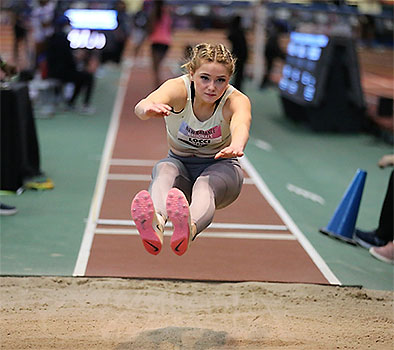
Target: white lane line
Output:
[(143, 163), (143, 177), (133, 162), (265, 146), (311, 251), (248, 181), (87, 240), (214, 225), (129, 177), (306, 194), (248, 226), (233, 235)]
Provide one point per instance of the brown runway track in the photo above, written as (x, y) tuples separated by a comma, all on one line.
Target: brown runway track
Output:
[(269, 251)]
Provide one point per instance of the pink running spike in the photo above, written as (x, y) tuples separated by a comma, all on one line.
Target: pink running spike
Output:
[(143, 214), (178, 212)]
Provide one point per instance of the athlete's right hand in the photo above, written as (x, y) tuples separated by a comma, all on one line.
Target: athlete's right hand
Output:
[(157, 110)]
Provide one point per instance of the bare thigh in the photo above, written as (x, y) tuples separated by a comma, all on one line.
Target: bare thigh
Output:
[(166, 174)]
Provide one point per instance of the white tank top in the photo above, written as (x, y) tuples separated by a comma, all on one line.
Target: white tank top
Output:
[(188, 136)]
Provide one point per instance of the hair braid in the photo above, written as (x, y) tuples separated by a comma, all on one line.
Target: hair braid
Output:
[(205, 52)]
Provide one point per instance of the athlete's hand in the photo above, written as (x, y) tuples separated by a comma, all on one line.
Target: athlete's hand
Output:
[(157, 110), (229, 152), (386, 160)]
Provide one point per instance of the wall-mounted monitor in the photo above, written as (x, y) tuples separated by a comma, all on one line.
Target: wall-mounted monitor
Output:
[(88, 26), (321, 83), (303, 73), (92, 19)]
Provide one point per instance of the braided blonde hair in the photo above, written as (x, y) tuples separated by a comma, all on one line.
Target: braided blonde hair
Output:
[(210, 53)]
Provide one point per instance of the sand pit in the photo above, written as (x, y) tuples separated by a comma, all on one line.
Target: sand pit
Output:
[(122, 314)]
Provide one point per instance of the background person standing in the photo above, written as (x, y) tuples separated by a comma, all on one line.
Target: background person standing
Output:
[(237, 37), (160, 36)]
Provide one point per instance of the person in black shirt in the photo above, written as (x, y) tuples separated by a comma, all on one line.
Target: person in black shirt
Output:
[(380, 241), (239, 44), (272, 51), (62, 65)]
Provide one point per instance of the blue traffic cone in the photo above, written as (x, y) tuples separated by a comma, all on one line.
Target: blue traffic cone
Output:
[(343, 222)]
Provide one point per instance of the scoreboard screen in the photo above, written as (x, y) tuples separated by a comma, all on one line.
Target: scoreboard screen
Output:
[(321, 83), (88, 26), (305, 68), (92, 19)]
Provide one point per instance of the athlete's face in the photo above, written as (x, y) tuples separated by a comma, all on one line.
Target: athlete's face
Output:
[(210, 81)]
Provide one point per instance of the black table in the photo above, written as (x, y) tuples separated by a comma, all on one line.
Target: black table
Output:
[(20, 157)]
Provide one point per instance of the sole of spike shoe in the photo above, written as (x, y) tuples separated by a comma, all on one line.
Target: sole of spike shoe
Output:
[(178, 212), (143, 212)]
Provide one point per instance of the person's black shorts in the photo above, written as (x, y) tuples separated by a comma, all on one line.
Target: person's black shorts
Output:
[(20, 33), (160, 48)]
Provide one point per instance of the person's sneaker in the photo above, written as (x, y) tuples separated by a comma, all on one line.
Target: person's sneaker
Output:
[(147, 222), (87, 110), (368, 239), (385, 253), (178, 212), (7, 209)]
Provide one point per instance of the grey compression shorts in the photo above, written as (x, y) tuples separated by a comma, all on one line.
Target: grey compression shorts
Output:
[(208, 184)]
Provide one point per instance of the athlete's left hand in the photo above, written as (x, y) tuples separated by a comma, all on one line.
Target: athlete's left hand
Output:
[(229, 152)]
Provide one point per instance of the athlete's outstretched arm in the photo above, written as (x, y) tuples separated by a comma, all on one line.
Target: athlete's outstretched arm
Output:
[(239, 125), (158, 104)]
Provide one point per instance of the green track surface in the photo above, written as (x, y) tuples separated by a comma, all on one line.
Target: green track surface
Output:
[(324, 164), (45, 236)]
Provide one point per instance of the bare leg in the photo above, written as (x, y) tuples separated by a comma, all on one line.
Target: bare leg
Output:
[(165, 175), (202, 208), (156, 61), (158, 54), (149, 209)]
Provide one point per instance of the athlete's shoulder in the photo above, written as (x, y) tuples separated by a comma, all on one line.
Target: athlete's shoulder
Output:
[(177, 81), (238, 94), (174, 92), (174, 86), (238, 98)]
